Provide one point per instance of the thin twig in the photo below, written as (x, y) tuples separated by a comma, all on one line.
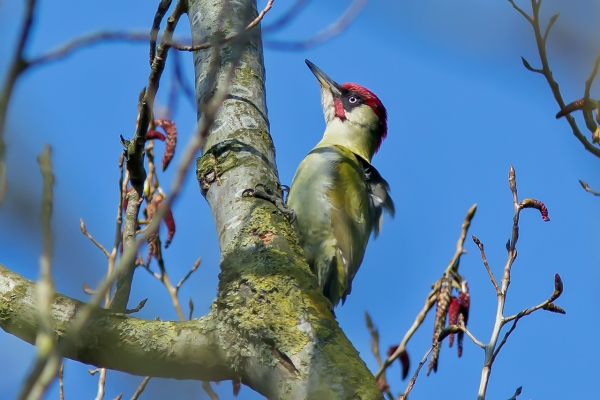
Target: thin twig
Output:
[(485, 263), (412, 381), (191, 305), (181, 81), (124, 280), (469, 334), (517, 393), (111, 261), (162, 9), (190, 272), (16, 67), (431, 297), (237, 35), (284, 19), (324, 35), (92, 239), (209, 391), (590, 80), (588, 189), (141, 388), (381, 381), (523, 13), (101, 384), (489, 362), (84, 41), (123, 179), (61, 388), (36, 384)]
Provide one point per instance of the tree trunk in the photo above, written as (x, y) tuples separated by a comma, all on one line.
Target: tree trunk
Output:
[(269, 326)]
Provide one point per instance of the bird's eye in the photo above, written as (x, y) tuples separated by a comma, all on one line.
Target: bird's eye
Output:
[(352, 99)]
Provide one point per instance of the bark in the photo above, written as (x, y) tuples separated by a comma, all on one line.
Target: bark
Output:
[(269, 326)]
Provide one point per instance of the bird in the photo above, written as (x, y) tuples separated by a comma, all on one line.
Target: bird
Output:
[(337, 194)]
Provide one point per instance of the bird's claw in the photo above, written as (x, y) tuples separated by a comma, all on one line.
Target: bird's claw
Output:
[(261, 191)]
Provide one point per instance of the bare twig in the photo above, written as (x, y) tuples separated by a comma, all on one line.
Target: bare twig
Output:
[(431, 297), (84, 41), (101, 384), (92, 239), (588, 189), (36, 383), (489, 362), (190, 272), (324, 35), (463, 328), (412, 381), (209, 391), (523, 13), (590, 80), (191, 305), (374, 332), (237, 35), (283, 20), (61, 388), (485, 263), (181, 81), (163, 7), (517, 393), (493, 347), (16, 67), (540, 39), (140, 388), (125, 277)]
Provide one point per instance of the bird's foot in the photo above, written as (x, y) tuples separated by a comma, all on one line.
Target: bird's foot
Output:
[(261, 191)]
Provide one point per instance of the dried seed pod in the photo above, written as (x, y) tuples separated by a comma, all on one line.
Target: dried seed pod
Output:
[(453, 310), (171, 130), (170, 223), (237, 386), (443, 301), (405, 362), (464, 299), (152, 134)]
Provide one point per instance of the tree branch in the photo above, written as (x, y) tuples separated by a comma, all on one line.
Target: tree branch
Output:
[(181, 350)]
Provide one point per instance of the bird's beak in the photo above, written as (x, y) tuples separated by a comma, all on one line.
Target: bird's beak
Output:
[(325, 81)]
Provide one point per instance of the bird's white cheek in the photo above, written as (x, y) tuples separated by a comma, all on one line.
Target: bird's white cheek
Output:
[(327, 101)]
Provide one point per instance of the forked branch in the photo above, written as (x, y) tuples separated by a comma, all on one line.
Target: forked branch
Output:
[(540, 39)]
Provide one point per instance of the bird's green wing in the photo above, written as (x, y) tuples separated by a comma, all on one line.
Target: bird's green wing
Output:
[(352, 221)]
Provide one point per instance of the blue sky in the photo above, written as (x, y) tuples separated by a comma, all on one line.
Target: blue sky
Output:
[(461, 108)]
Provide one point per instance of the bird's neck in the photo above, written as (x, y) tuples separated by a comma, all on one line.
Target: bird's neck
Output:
[(359, 139)]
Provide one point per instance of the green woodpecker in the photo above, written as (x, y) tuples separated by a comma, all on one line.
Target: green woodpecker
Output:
[(337, 195)]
